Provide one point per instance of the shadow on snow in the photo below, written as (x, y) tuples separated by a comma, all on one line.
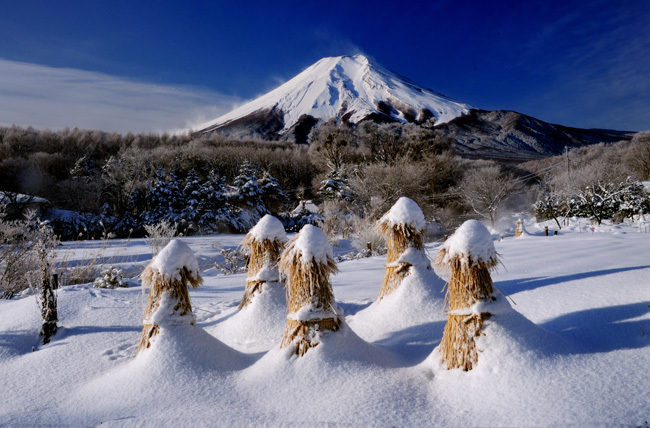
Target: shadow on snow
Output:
[(527, 284)]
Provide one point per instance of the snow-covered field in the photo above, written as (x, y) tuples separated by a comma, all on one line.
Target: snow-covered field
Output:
[(575, 350)]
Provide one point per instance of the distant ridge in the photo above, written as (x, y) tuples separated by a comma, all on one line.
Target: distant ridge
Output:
[(511, 136)]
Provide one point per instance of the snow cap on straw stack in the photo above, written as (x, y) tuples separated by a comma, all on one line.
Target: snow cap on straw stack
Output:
[(471, 244), (406, 212), (268, 228), (169, 263)]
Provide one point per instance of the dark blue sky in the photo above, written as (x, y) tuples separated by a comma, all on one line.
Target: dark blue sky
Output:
[(577, 63)]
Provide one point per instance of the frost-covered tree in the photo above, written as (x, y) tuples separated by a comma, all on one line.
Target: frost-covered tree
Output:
[(25, 245), (597, 202), (485, 189), (639, 155), (606, 200), (331, 145), (376, 187)]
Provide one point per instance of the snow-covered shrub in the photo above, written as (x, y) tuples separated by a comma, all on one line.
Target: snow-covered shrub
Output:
[(20, 242), (112, 277), (160, 234), (365, 235), (632, 199), (337, 219), (600, 201), (72, 225), (550, 206), (234, 261), (294, 222)]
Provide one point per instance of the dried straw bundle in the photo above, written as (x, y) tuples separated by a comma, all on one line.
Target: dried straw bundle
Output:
[(469, 283), (263, 254), (172, 289), (310, 298), (399, 237), (519, 229)]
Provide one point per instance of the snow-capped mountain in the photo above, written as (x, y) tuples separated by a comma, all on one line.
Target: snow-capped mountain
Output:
[(350, 88)]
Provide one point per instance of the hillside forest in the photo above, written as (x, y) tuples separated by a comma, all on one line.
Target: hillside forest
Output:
[(92, 184)]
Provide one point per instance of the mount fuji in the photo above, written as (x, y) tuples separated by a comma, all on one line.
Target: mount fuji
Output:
[(349, 88), (352, 89)]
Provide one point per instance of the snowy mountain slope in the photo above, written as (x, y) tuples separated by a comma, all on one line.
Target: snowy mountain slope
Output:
[(347, 87)]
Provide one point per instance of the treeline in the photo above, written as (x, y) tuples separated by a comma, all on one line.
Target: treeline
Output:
[(99, 182), (598, 182), (124, 181)]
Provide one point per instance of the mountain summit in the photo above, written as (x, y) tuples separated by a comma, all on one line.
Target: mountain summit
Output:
[(349, 88)]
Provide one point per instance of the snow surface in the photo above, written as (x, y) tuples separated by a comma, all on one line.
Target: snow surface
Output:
[(404, 211), (345, 83), (173, 258), (569, 345), (257, 326), (268, 228)]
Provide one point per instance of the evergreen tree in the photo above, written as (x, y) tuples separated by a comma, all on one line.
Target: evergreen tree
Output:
[(192, 196), (335, 187), (272, 195), (247, 193), (165, 199), (212, 205)]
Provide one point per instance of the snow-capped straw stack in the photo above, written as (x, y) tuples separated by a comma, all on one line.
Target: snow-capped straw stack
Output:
[(519, 230), (264, 242), (308, 263), (167, 276), (468, 256), (402, 226)]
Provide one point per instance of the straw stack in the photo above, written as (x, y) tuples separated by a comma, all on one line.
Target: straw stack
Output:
[(402, 227), (167, 276), (468, 256), (264, 243), (519, 229), (308, 263)]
